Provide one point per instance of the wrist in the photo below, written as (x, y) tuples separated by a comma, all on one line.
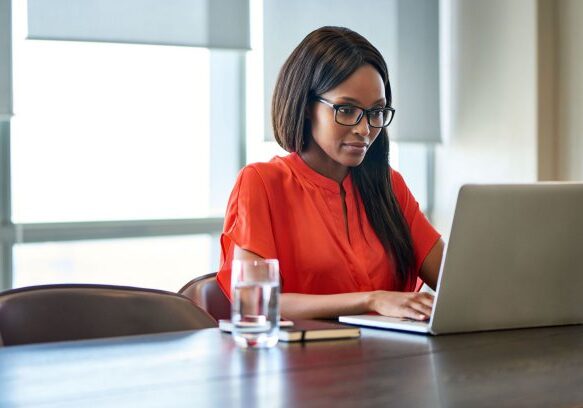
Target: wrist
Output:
[(370, 301)]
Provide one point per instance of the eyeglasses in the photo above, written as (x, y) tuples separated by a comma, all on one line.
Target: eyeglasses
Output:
[(350, 115)]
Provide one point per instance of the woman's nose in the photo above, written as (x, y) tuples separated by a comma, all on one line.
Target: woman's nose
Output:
[(362, 128)]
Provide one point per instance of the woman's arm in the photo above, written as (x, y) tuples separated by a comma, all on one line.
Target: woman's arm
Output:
[(430, 269), (411, 305)]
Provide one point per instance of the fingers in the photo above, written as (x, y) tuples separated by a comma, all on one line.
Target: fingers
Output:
[(425, 298), (419, 306), (420, 311), (416, 306), (412, 314)]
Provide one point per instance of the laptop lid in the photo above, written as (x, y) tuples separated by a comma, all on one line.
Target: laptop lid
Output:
[(514, 259)]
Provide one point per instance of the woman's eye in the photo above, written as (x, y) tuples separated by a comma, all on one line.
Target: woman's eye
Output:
[(376, 113), (346, 110)]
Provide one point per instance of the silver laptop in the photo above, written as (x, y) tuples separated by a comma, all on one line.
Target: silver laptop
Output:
[(514, 259)]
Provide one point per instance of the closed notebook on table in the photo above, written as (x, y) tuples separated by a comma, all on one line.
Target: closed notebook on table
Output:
[(305, 330)]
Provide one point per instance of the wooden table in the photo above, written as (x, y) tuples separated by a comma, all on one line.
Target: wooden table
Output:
[(531, 367)]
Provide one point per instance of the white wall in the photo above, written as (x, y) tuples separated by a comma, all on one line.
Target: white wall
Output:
[(489, 106)]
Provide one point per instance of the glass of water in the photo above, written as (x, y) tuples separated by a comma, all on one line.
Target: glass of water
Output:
[(255, 307)]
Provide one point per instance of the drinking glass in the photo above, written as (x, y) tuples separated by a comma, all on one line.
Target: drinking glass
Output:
[(255, 307)]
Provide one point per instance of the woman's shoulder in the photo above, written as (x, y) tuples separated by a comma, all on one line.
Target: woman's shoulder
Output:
[(278, 164), (267, 172), (397, 179), (399, 186)]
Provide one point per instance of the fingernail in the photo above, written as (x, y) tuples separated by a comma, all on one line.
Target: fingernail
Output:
[(422, 316)]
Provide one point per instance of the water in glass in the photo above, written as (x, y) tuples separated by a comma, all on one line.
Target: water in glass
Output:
[(255, 307)]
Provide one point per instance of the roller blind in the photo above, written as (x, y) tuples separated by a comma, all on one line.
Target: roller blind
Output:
[(5, 60), (196, 23), (418, 74), (404, 31)]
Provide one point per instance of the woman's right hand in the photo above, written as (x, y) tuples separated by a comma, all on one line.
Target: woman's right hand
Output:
[(410, 305)]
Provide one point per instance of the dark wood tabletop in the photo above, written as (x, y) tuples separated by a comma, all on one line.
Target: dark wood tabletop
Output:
[(529, 367)]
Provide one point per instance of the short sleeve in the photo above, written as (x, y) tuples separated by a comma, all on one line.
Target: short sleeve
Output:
[(247, 223), (423, 235)]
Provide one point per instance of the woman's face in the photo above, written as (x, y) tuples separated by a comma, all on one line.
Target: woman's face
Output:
[(346, 145)]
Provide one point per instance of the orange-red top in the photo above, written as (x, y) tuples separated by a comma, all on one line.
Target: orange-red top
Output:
[(285, 210)]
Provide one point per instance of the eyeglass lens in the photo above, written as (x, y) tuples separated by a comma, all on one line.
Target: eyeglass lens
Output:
[(350, 115)]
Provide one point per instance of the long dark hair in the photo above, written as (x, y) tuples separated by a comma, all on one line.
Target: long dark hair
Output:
[(323, 60)]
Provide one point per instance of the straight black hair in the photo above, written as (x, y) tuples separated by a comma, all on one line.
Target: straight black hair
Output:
[(323, 60)]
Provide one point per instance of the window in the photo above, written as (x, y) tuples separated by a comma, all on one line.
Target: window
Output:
[(110, 138), (108, 131)]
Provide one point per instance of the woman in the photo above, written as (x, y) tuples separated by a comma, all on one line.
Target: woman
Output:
[(347, 232)]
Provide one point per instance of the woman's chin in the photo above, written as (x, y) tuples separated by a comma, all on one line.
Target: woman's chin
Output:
[(352, 159)]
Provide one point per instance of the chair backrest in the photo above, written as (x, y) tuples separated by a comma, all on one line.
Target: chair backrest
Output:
[(205, 292), (47, 313)]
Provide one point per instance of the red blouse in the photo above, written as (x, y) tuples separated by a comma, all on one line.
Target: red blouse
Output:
[(285, 210)]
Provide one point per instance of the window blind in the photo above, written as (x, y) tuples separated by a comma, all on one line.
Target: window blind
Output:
[(220, 24)]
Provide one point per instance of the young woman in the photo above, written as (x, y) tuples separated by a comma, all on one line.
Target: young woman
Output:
[(349, 236)]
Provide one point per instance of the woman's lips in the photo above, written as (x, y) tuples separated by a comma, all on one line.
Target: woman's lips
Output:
[(356, 147)]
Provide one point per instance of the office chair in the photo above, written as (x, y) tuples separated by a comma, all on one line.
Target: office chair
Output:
[(48, 313), (206, 293)]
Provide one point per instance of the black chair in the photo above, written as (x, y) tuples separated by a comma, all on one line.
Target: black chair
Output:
[(48, 313), (206, 293)]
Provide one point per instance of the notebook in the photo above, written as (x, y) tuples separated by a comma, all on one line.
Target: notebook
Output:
[(305, 330), (514, 260)]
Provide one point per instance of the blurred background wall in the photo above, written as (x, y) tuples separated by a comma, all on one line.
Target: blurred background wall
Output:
[(511, 86)]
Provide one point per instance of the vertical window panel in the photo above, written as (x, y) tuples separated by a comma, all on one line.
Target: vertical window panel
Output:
[(108, 131)]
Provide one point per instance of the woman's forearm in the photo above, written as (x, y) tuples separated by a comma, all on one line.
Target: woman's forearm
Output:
[(302, 306), (411, 305)]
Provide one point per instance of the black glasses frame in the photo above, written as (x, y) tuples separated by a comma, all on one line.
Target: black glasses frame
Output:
[(367, 112)]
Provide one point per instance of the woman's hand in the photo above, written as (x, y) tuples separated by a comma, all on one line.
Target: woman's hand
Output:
[(411, 305)]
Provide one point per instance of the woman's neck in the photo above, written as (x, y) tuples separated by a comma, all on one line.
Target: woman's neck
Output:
[(324, 165)]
